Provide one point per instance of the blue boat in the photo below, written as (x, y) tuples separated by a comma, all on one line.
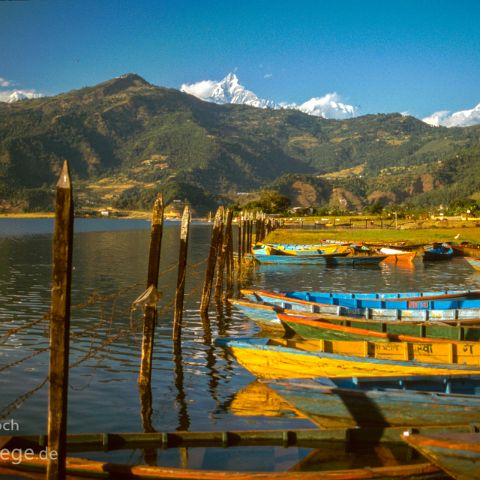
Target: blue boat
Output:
[(383, 401), (266, 314), (438, 251), (326, 259), (308, 301), (426, 295)]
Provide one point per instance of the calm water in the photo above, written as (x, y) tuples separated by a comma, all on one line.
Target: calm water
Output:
[(193, 392)]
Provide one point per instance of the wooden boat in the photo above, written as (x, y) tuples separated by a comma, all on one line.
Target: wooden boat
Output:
[(466, 249), (325, 330), (97, 469), (315, 259), (285, 358), (434, 302), (383, 401), (33, 467), (474, 262), (416, 315), (427, 295), (438, 251), (268, 317), (458, 454), (396, 256), (298, 249)]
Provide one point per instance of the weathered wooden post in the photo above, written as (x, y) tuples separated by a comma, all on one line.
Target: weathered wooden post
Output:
[(60, 326), (239, 242), (244, 233), (182, 273), (223, 259), (248, 246), (230, 264), (215, 245), (150, 313)]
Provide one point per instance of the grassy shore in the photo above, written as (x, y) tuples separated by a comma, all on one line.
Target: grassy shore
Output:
[(28, 215), (409, 237)]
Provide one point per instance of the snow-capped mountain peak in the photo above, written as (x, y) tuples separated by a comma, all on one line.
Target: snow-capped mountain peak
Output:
[(229, 90), (18, 95)]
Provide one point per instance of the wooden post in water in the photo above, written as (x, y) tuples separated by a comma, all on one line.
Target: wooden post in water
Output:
[(60, 326), (224, 257), (230, 263), (215, 245), (248, 245), (150, 313), (182, 273), (244, 233), (239, 242), (257, 227)]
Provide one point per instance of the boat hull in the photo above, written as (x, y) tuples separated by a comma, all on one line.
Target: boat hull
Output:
[(456, 454), (376, 331), (266, 360), (474, 262), (377, 404), (412, 314)]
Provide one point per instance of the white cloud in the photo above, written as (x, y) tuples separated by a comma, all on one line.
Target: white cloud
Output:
[(463, 118), (328, 106), (5, 83), (268, 75), (203, 89)]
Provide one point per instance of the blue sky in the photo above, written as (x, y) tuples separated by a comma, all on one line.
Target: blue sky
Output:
[(382, 56)]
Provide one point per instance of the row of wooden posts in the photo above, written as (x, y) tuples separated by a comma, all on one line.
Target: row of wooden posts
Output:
[(219, 278)]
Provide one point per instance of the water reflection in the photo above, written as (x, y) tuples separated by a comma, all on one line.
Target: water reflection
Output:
[(191, 389)]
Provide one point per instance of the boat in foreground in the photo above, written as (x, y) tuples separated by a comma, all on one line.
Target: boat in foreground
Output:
[(383, 401), (83, 468), (287, 358), (458, 454)]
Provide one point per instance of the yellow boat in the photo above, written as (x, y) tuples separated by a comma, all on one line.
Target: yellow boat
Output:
[(297, 249), (284, 358)]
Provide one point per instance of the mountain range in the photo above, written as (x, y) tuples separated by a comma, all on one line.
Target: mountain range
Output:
[(126, 140), (229, 90)]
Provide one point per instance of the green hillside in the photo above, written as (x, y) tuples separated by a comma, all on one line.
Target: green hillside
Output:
[(127, 139)]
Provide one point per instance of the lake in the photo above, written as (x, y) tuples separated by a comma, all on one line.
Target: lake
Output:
[(196, 391)]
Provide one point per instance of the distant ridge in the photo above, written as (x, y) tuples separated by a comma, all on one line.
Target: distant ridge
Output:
[(127, 139)]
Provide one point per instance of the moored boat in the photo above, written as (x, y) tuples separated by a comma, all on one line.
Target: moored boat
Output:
[(418, 310), (284, 358), (318, 296), (395, 255), (384, 401), (298, 249), (474, 262), (438, 251), (458, 454), (460, 300), (35, 466), (268, 316), (317, 329)]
